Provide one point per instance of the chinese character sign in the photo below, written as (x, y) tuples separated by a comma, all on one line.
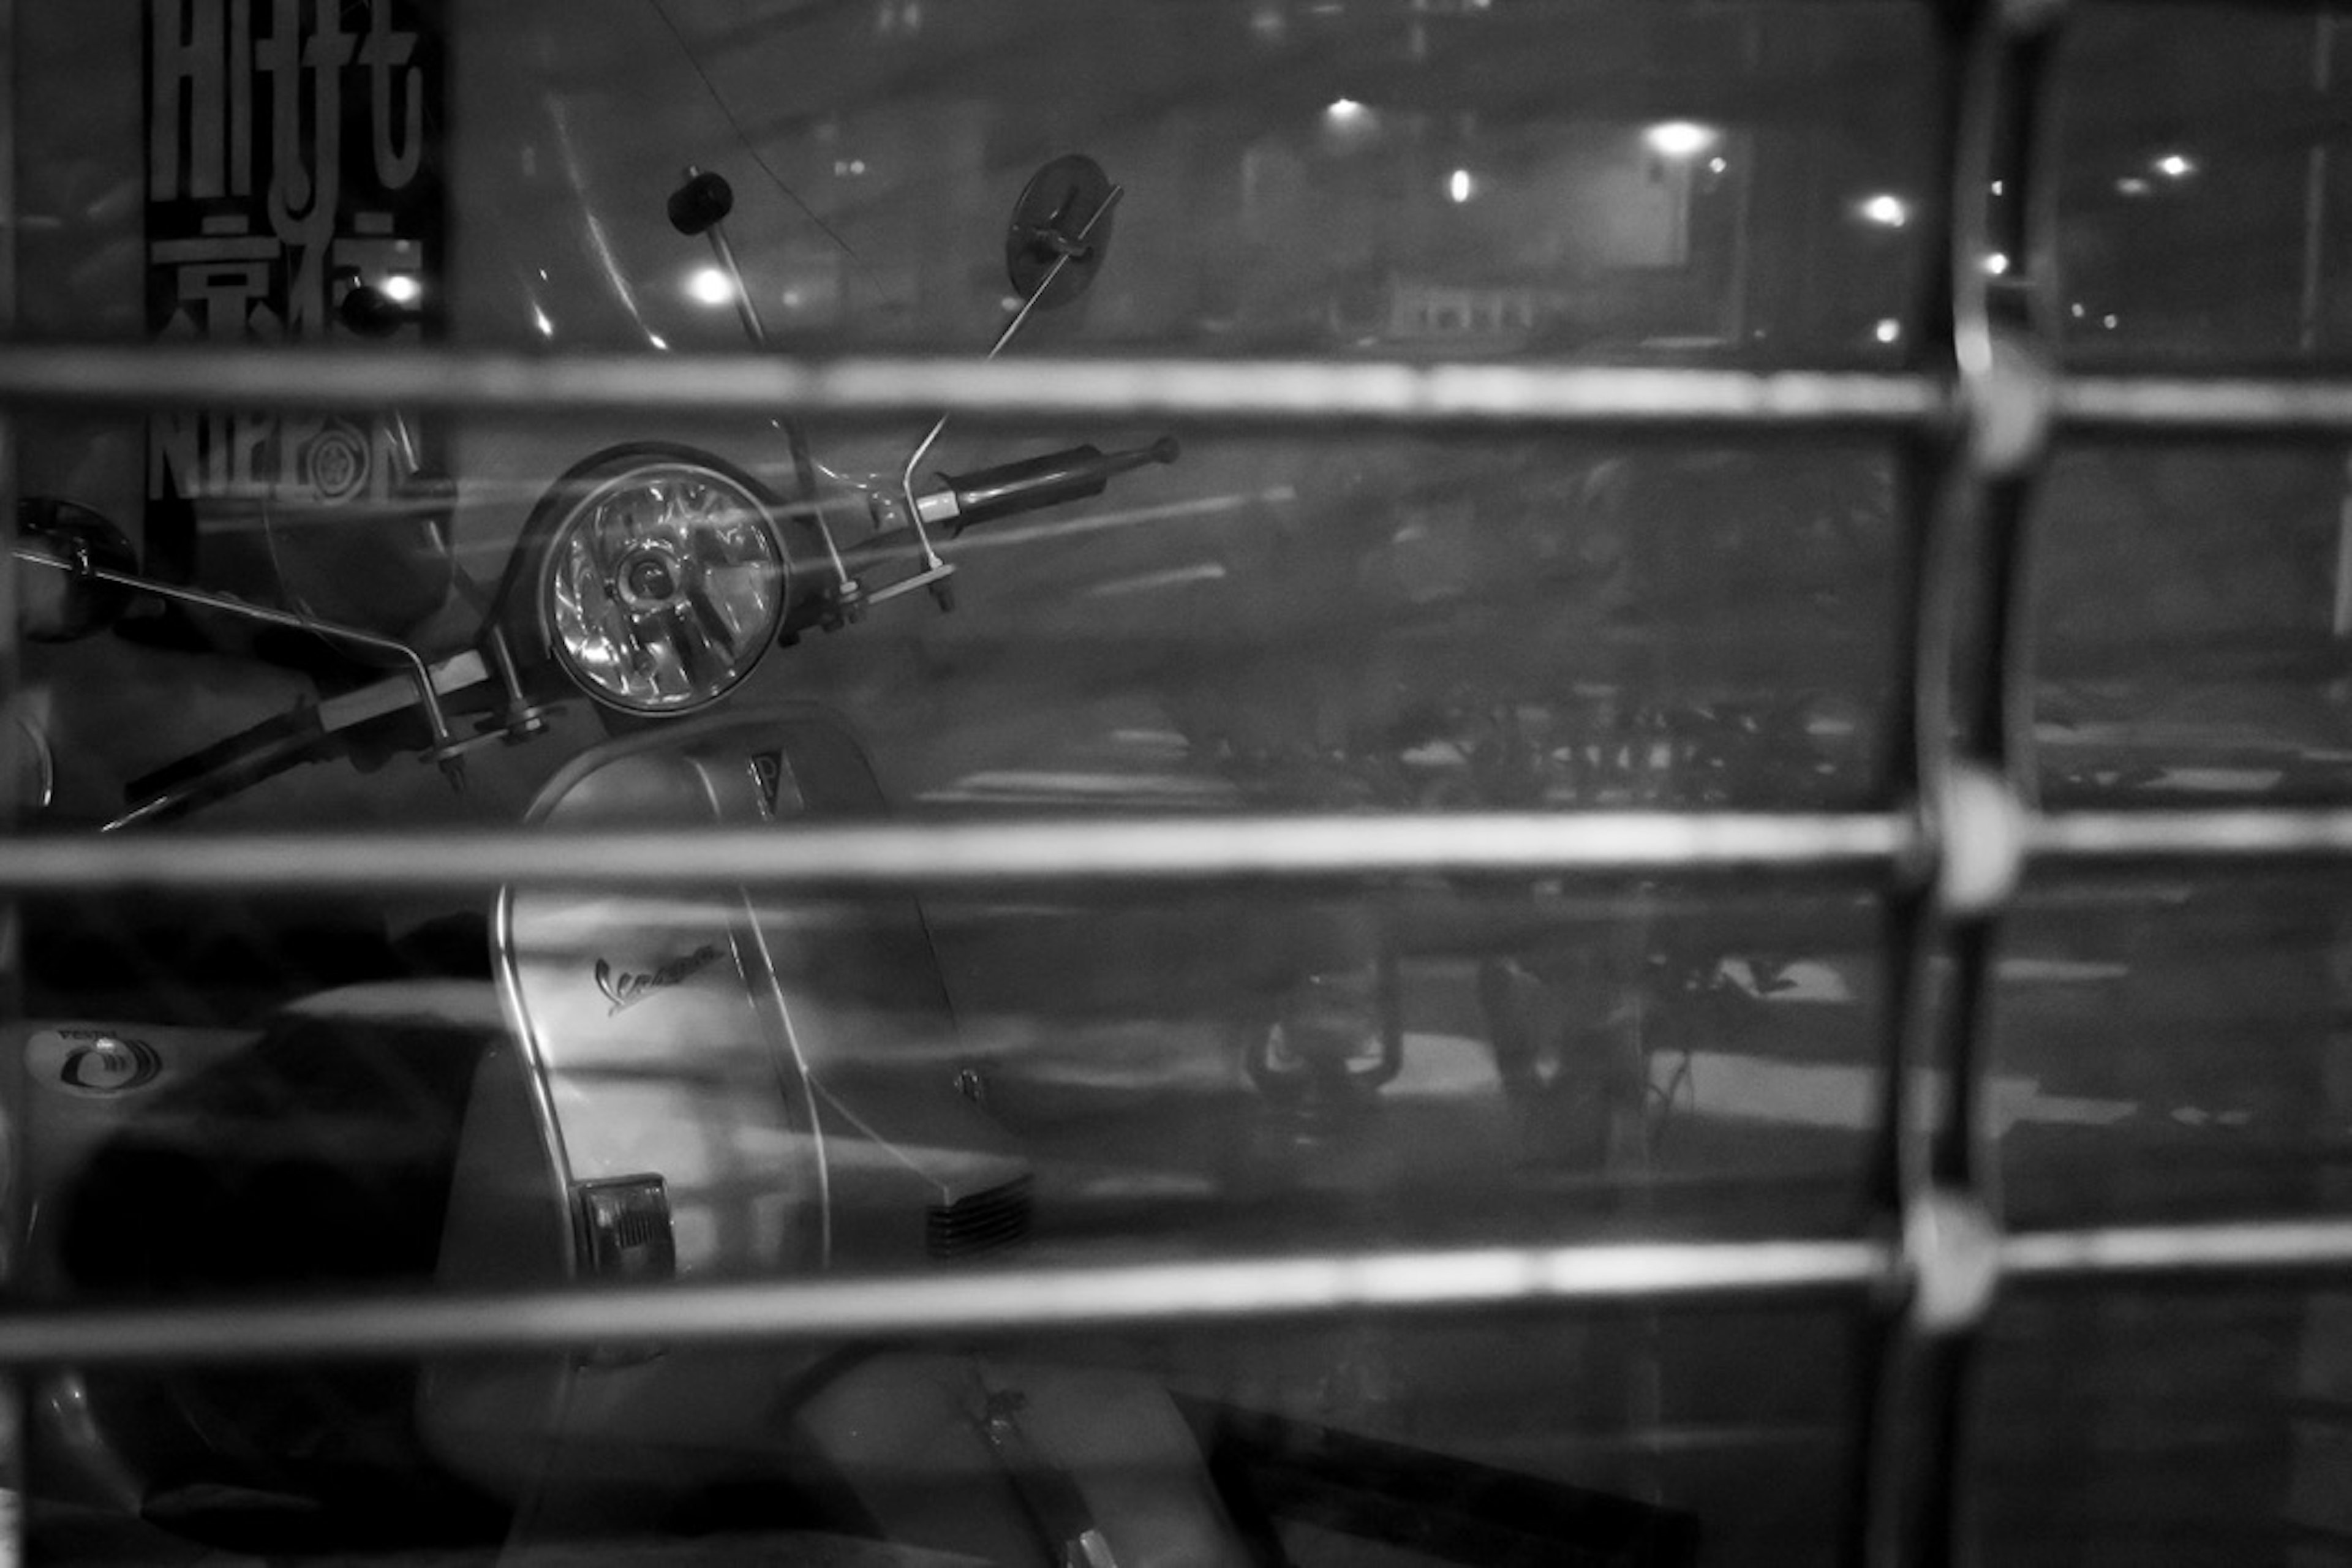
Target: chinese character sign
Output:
[(294, 150)]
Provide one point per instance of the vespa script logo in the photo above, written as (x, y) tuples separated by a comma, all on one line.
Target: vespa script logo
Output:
[(95, 1062), (626, 990)]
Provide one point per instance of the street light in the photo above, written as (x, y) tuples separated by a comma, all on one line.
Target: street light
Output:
[(1889, 211), (1680, 138)]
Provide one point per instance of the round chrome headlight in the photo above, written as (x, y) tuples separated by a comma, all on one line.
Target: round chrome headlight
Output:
[(664, 585)]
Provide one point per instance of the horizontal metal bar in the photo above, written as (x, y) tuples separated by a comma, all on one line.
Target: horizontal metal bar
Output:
[(1253, 390), (970, 855), (2181, 1252), (1195, 850), (1279, 390), (2248, 836), (1190, 1293), (2164, 406), (1174, 1294)]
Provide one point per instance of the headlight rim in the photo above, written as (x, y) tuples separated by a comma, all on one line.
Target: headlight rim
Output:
[(593, 484)]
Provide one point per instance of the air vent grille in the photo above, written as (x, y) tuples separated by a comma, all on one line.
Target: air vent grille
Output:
[(982, 1223)]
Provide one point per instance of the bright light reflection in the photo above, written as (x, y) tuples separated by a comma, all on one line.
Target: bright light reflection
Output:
[(2173, 166), (1680, 138), (1717, 166), (709, 287), (2131, 185), (402, 289), (1889, 329), (1344, 111), (1997, 264), (1459, 185), (546, 327), (1886, 209)]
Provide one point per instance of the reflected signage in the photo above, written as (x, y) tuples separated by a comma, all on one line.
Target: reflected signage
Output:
[(293, 147)]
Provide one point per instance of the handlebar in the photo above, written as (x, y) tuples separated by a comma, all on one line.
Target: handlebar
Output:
[(1073, 474)]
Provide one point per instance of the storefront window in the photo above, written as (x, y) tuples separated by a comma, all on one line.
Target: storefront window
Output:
[(813, 618)]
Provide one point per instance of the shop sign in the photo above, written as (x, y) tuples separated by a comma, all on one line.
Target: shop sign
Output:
[(293, 147)]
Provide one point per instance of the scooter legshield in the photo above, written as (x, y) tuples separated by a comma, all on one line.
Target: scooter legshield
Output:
[(723, 1084)]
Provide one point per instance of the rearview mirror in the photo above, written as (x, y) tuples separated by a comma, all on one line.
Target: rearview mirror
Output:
[(61, 547), (1064, 215)]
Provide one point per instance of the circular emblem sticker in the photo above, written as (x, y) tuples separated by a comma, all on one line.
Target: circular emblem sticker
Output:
[(336, 463), (96, 1062)]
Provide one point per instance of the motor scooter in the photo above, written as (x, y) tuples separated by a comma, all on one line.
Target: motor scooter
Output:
[(723, 1085), (651, 579)]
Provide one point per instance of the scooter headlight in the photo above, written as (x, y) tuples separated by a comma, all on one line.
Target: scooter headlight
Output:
[(664, 586)]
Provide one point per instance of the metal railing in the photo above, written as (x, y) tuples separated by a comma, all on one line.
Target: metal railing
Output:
[(1975, 421), (1256, 393), (1925, 1265), (1896, 850)]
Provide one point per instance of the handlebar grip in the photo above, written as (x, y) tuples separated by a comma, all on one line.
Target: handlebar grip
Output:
[(1056, 476)]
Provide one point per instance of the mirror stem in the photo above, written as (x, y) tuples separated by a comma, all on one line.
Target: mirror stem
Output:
[(1077, 247), (444, 749)]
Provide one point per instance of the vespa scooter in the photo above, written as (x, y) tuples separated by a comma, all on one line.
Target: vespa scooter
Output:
[(726, 1085)]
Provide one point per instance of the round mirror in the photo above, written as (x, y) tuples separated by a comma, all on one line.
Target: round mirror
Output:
[(1065, 211), (58, 600)]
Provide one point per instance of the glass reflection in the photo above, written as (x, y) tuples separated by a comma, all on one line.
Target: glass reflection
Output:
[(235, 1093)]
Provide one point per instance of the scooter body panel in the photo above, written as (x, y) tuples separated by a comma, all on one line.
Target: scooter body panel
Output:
[(771, 1085)]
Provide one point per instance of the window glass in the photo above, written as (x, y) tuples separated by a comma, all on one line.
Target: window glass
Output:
[(654, 618), (2184, 606), (2226, 158)]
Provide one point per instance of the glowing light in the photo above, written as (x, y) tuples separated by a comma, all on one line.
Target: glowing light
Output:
[(546, 327), (1680, 138), (1717, 166), (401, 289), (1997, 264), (1997, 188), (710, 287), (1887, 331), (1460, 186), (2173, 166), (2076, 310), (2132, 185), (658, 341), (1346, 112), (1887, 210), (2108, 323)]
